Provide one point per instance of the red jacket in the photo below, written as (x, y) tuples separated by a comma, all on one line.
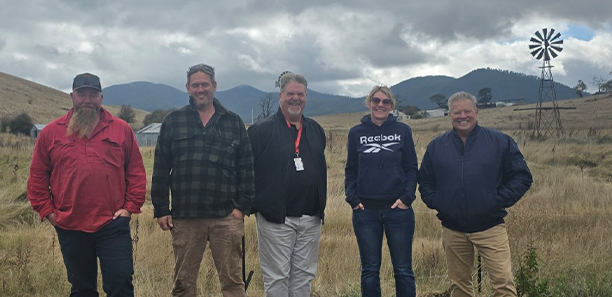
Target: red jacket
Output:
[(84, 181)]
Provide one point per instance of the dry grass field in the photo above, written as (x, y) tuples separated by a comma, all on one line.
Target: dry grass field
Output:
[(566, 216)]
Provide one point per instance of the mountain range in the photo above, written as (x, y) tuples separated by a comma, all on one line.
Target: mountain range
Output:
[(244, 99)]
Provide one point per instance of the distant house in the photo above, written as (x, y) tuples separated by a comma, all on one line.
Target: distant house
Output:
[(504, 104), (433, 113), (147, 136), (484, 105), (399, 115), (35, 131)]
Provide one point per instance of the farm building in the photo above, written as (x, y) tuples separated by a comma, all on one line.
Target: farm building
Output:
[(398, 114), (504, 104), (36, 130), (147, 136), (434, 113)]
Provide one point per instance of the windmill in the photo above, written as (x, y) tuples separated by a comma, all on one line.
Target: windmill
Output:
[(545, 46), (277, 83)]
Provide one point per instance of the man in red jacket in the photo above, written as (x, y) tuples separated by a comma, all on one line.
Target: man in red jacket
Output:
[(87, 178)]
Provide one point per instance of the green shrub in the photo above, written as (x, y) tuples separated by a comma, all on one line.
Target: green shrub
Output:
[(528, 282), (21, 124)]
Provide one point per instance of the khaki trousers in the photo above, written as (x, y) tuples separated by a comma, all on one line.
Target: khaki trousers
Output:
[(189, 237), (495, 252)]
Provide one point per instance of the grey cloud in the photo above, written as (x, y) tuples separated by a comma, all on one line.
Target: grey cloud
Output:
[(579, 70), (389, 49), (334, 44)]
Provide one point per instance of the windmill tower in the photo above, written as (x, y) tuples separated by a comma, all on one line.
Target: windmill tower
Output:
[(545, 46)]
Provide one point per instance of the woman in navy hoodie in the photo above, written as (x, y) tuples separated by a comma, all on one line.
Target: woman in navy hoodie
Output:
[(380, 182)]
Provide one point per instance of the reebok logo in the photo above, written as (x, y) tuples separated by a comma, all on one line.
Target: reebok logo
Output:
[(376, 147), (377, 138)]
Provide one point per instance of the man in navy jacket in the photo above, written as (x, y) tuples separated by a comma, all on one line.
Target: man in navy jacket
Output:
[(470, 175)]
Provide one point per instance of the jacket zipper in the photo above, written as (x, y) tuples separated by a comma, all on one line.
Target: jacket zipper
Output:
[(463, 181)]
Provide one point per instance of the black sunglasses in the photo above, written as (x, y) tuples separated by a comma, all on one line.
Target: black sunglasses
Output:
[(201, 67), (377, 100), (80, 81)]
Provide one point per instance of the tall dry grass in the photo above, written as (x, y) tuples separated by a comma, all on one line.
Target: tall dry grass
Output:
[(566, 216)]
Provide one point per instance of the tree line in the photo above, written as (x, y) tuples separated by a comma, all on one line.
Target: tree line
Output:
[(127, 114), (603, 85), (485, 95)]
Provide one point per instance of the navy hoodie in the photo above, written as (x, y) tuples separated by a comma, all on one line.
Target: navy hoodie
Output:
[(381, 163)]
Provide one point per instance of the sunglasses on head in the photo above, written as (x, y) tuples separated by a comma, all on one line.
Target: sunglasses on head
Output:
[(377, 100), (80, 81), (201, 67)]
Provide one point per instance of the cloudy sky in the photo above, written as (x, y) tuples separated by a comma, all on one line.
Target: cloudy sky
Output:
[(342, 47)]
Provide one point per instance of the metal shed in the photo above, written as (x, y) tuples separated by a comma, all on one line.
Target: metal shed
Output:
[(35, 130), (147, 136), (436, 113)]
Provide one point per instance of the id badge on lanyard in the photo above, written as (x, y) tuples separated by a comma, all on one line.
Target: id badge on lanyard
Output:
[(299, 165)]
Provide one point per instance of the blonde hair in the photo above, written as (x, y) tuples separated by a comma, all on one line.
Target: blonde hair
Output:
[(383, 89)]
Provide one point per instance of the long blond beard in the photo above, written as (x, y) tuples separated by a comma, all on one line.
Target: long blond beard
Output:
[(83, 121)]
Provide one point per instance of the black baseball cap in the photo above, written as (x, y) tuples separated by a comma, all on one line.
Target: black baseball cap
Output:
[(86, 80)]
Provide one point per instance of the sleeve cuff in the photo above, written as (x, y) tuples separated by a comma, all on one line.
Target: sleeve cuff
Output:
[(45, 212), (161, 212), (353, 201), (407, 200), (131, 207)]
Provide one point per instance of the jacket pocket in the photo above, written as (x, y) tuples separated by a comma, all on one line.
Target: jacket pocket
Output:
[(187, 146), (377, 182), (63, 152), (222, 152), (112, 152), (488, 208), (448, 204)]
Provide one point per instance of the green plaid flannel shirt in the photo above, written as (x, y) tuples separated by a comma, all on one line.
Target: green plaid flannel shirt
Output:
[(208, 169)]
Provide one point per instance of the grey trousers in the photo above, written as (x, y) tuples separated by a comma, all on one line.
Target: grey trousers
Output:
[(288, 255)]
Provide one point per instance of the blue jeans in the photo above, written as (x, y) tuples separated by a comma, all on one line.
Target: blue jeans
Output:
[(398, 226), (112, 245)]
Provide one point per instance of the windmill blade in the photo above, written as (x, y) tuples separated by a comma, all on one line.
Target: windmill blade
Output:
[(532, 46), (545, 31), (552, 31), (557, 42), (537, 33), (535, 40), (556, 36), (540, 55), (534, 53), (546, 56), (557, 48), (553, 54)]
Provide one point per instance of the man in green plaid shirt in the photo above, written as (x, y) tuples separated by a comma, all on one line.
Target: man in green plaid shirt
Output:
[(204, 157)]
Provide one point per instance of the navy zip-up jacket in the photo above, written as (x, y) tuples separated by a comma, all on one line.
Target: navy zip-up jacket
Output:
[(472, 184), (381, 162)]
